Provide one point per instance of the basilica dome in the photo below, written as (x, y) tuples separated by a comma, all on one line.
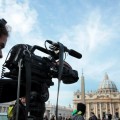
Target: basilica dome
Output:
[(107, 85)]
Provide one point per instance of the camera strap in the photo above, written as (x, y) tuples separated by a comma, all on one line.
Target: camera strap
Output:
[(18, 88), (59, 74), (28, 81)]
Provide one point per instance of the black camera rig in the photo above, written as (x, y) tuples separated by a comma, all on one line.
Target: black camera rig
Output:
[(36, 72)]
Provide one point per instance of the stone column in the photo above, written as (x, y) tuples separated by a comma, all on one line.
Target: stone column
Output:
[(2, 109), (111, 108), (106, 109), (88, 110), (119, 109), (100, 111), (96, 110)]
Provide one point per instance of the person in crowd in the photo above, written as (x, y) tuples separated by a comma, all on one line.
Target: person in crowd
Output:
[(70, 118), (63, 118), (93, 116), (22, 111), (109, 117), (81, 108), (74, 112), (60, 117), (4, 33), (52, 117), (45, 117), (116, 117)]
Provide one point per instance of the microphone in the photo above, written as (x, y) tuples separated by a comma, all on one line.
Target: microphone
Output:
[(75, 54)]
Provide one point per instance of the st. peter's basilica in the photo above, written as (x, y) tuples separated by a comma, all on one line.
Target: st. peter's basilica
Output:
[(105, 100)]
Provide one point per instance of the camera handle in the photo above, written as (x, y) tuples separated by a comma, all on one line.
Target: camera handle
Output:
[(18, 88), (35, 47), (61, 51)]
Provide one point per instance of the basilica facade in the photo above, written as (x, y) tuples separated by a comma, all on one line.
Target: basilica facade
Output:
[(105, 100)]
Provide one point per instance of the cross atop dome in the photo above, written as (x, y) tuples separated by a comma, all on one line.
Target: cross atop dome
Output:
[(106, 76)]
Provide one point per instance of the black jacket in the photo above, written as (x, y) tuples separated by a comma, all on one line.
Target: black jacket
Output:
[(93, 117), (22, 112)]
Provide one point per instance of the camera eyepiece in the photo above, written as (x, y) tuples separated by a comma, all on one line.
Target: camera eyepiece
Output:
[(3, 22)]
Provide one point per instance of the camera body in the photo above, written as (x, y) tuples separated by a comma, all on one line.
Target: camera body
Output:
[(43, 69)]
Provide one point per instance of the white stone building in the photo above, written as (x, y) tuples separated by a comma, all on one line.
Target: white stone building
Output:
[(4, 106), (63, 110)]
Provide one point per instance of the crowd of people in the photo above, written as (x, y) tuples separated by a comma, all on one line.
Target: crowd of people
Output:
[(79, 114)]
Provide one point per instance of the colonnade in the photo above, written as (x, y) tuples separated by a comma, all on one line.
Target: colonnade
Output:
[(99, 108)]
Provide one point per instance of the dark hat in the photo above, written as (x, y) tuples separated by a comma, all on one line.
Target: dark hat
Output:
[(81, 107)]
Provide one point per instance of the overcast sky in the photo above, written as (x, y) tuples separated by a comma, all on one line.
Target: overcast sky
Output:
[(88, 26)]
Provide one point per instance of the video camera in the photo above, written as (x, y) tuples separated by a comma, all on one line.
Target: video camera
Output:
[(40, 70)]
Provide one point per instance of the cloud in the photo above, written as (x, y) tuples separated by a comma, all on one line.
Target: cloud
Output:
[(23, 21), (20, 17), (92, 34), (96, 69)]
